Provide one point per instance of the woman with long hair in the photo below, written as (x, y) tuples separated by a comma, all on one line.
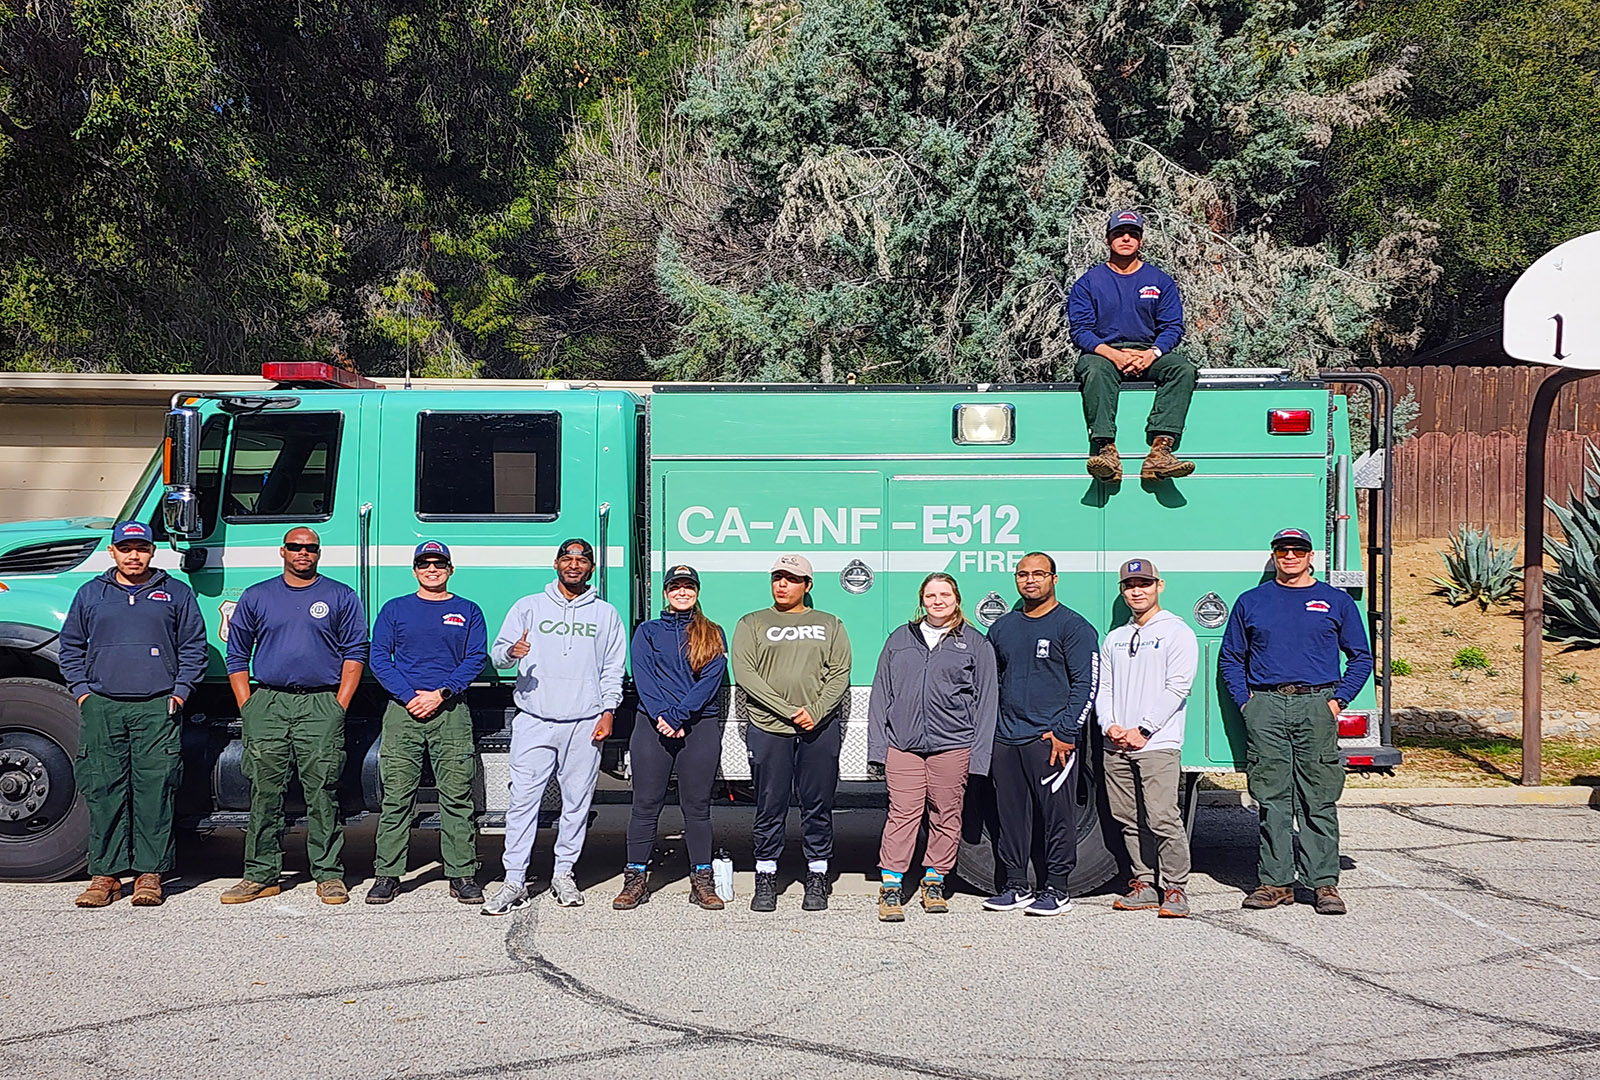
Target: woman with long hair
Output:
[(935, 699), (679, 661)]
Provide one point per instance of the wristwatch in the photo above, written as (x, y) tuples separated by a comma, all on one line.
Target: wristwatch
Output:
[(1341, 702), (1146, 732), (445, 693)]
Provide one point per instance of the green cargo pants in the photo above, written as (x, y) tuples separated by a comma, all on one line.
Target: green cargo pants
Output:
[(1101, 382), (446, 738), (303, 733), (1292, 759), (128, 767)]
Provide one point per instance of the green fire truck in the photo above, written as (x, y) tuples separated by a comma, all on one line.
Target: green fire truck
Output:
[(876, 485)]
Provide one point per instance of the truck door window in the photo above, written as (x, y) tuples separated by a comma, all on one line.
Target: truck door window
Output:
[(488, 465), (281, 467)]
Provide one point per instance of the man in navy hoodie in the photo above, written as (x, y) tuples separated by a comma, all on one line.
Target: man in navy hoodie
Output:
[(132, 649), (1126, 319)]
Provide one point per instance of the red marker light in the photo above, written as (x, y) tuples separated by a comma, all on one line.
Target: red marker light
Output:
[(1364, 759), (1288, 421), (1353, 725)]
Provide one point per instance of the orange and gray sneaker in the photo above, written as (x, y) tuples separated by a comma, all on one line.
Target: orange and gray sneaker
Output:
[(1269, 896), (102, 890), (147, 891), (1161, 463), (1174, 904), (1105, 463), (1141, 896), (248, 890)]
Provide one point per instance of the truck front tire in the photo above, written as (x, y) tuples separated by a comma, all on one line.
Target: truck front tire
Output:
[(44, 824)]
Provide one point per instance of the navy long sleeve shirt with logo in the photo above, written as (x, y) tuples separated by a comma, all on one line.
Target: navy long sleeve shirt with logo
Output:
[(1105, 307), (1048, 668), (293, 636), (422, 645), (668, 688), (1280, 634), (133, 641)]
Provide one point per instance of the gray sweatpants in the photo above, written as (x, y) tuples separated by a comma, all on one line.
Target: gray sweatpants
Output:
[(1142, 795), (540, 748)]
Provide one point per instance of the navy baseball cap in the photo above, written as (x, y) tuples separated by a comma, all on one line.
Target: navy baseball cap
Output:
[(1124, 219), (430, 548), (585, 548), (135, 531), (1292, 538), (682, 572)]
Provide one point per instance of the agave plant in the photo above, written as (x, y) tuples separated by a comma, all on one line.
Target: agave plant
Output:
[(1572, 593), (1478, 569)]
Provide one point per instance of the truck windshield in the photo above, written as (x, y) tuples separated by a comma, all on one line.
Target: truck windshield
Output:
[(141, 489)]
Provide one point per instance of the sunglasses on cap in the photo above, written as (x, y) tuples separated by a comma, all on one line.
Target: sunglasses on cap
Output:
[(313, 548)]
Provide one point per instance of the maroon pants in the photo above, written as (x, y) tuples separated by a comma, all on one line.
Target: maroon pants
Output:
[(937, 783)]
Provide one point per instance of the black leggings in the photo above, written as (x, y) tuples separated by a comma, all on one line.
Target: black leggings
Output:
[(695, 757)]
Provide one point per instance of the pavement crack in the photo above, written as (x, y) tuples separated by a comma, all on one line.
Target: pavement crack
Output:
[(1410, 814)]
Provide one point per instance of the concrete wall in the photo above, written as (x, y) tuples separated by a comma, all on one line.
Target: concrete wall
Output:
[(67, 460)]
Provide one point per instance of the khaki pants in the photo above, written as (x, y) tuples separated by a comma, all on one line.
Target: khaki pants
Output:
[(1142, 794), (917, 782)]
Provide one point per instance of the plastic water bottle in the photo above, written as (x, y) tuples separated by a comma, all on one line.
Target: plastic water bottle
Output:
[(722, 875)]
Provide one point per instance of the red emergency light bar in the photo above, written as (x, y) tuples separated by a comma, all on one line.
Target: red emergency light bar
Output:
[(315, 374), (1288, 421), (1353, 725)]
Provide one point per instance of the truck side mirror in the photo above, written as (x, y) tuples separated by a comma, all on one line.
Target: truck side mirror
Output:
[(180, 507)]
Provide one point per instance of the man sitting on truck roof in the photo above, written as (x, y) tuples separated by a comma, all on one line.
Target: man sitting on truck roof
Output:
[(1126, 318)]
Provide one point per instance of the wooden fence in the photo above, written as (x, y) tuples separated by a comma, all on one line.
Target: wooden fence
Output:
[(1486, 398), (1443, 481)]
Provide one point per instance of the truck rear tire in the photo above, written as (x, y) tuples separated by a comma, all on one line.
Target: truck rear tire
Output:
[(44, 824)]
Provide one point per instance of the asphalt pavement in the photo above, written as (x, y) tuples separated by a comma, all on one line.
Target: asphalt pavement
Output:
[(1470, 951)]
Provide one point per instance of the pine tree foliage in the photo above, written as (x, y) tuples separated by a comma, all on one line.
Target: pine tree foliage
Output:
[(903, 190)]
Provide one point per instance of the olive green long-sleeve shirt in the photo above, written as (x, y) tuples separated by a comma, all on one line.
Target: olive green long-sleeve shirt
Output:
[(788, 661)]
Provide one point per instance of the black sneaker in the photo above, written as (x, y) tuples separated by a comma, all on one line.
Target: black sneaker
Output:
[(766, 895), (467, 890), (816, 892), (383, 890)]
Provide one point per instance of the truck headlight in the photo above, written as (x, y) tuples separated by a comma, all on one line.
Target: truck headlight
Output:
[(985, 424)]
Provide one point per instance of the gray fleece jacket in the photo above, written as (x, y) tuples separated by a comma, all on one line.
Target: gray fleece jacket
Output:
[(927, 700), (576, 652)]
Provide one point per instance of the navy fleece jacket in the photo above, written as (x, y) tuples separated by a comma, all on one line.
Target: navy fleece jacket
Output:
[(134, 642), (667, 687)]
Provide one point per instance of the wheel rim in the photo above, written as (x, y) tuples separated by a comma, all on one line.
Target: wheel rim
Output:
[(36, 785)]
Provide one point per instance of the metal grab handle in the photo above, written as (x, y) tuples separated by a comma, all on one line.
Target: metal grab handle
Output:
[(365, 556), (600, 556)]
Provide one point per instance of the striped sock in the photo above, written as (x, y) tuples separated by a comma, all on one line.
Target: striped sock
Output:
[(637, 867), (930, 874), (891, 878)]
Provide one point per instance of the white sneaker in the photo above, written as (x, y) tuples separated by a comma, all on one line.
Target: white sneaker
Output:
[(507, 899), (565, 889)]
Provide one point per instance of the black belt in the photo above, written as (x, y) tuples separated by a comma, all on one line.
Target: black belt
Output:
[(303, 689), (1293, 688)]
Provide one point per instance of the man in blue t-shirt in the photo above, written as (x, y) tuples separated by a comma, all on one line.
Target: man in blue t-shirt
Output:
[(1126, 319), (427, 647), (1280, 663), (304, 637)]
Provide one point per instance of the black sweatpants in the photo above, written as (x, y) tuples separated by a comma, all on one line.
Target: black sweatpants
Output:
[(1018, 772), (655, 757), (806, 763)]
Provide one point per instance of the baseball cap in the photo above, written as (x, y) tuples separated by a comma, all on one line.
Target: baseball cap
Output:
[(798, 565), (1292, 538), (430, 547), (585, 548), (1124, 219), (136, 531), (682, 573), (1139, 568)]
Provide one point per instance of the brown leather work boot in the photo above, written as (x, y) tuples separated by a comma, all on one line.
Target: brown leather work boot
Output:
[(247, 890), (333, 891), (703, 891), (1106, 464), (1329, 902), (1266, 896), (635, 891), (1162, 464), (102, 890), (147, 891)]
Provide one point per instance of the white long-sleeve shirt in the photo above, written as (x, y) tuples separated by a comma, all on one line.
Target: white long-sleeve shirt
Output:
[(1145, 680)]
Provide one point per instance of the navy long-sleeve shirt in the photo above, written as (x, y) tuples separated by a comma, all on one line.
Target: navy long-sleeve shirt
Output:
[(420, 644), (1279, 634), (133, 641), (297, 636), (1105, 306), (1048, 667), (667, 686)]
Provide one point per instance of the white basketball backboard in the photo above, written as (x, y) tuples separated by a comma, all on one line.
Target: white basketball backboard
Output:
[(1552, 313)]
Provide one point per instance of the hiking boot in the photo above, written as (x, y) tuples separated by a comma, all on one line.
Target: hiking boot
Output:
[(383, 890), (635, 891), (248, 890), (466, 890), (1141, 896), (1106, 464), (1013, 899), (147, 891), (933, 901), (816, 892), (508, 898), (889, 906), (333, 892), (564, 887), (1161, 463), (1049, 902), (703, 891), (765, 897), (1329, 902), (102, 890), (1266, 896), (1174, 905)]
